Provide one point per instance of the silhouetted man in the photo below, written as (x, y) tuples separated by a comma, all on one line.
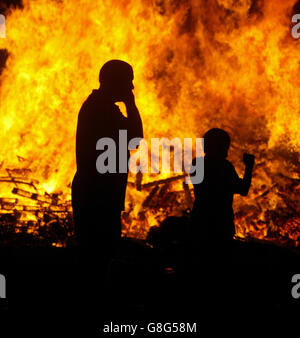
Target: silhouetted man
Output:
[(98, 199)]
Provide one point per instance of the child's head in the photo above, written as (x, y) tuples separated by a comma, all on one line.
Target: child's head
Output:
[(216, 143)]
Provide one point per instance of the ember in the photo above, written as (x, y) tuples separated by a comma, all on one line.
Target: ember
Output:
[(226, 64)]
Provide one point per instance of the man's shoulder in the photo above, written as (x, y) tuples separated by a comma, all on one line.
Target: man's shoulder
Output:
[(92, 99), (93, 105)]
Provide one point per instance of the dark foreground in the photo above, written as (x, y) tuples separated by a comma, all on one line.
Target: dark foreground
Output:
[(47, 291)]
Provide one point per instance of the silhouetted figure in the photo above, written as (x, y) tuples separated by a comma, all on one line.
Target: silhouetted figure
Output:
[(212, 214), (98, 199)]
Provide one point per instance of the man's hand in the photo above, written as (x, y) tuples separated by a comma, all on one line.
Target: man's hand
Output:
[(135, 125), (248, 159), (129, 99)]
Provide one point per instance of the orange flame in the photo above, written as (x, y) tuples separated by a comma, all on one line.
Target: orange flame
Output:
[(197, 65)]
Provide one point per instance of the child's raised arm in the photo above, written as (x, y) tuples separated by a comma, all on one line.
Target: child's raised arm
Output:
[(246, 181), (242, 185)]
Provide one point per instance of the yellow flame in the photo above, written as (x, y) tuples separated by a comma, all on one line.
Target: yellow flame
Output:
[(197, 65)]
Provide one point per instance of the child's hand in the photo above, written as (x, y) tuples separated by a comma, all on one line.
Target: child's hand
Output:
[(248, 160)]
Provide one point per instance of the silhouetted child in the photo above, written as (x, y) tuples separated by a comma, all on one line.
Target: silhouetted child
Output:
[(212, 214)]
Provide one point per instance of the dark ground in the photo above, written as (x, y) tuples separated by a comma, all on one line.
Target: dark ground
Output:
[(46, 292)]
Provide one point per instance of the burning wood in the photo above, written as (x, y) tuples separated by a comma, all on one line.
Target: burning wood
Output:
[(48, 218), (162, 199), (163, 181)]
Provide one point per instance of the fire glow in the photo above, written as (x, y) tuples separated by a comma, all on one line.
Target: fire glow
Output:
[(197, 65)]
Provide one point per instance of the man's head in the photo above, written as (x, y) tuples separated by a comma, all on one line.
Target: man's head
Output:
[(216, 143), (116, 78)]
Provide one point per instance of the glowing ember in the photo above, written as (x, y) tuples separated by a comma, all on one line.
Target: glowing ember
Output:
[(197, 65)]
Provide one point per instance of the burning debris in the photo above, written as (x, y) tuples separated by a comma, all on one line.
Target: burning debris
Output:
[(32, 218), (162, 199), (46, 219)]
